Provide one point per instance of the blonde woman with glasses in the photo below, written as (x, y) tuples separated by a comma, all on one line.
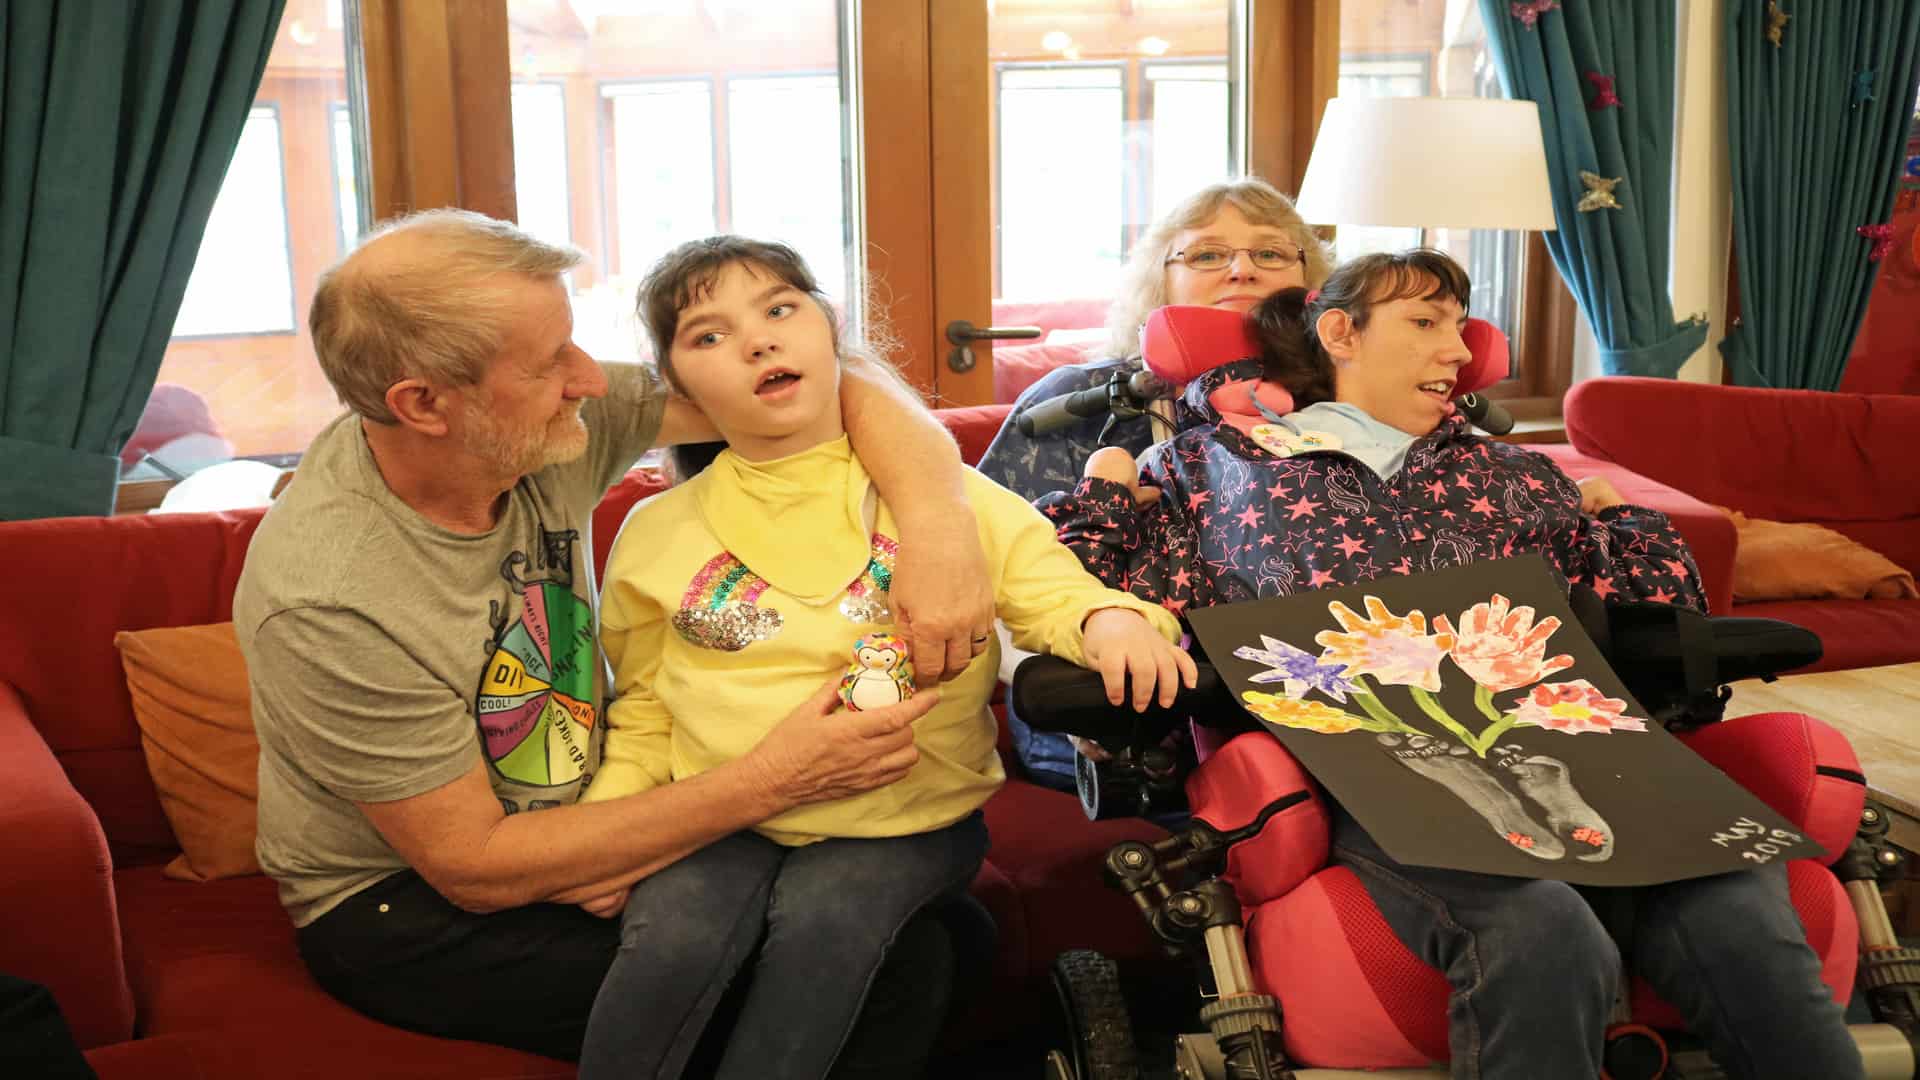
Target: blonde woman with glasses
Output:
[(1230, 245)]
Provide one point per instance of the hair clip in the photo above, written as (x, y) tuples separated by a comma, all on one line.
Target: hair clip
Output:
[(1312, 295)]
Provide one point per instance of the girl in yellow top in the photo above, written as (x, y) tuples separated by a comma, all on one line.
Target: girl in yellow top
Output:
[(735, 594)]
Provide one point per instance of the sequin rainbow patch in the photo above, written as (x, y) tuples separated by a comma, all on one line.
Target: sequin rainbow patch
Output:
[(867, 598), (719, 609)]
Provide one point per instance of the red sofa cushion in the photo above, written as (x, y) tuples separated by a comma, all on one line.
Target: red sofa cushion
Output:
[(1017, 367), (1784, 455), (93, 577)]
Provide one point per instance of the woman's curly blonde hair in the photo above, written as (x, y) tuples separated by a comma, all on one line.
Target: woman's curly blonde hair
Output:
[(1143, 282)]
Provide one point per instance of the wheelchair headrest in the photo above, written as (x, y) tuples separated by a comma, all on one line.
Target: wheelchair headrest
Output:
[(1182, 341)]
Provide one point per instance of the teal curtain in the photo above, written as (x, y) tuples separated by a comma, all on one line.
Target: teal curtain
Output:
[(117, 121), (1602, 72), (1816, 128)]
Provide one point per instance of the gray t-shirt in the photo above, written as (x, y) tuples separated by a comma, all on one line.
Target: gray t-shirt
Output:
[(388, 655)]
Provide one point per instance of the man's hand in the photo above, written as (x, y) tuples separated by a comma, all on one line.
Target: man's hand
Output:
[(1113, 463), (1121, 643), (1597, 493), (942, 594), (821, 752), (607, 905)]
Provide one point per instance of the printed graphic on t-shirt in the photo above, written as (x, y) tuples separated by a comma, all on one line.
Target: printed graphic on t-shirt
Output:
[(536, 702)]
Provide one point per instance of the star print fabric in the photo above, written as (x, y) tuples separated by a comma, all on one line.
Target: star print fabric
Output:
[(1234, 522)]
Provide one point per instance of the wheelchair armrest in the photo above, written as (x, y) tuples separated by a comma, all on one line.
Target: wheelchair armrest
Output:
[(1740, 648), (1051, 694), (1675, 659)]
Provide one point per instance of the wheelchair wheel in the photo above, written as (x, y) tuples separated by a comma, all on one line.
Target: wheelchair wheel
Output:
[(1099, 1033)]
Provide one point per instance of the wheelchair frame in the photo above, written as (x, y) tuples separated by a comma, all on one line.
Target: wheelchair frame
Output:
[(1176, 885)]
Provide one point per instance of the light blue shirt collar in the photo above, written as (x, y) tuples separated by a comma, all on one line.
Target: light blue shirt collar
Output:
[(1380, 447)]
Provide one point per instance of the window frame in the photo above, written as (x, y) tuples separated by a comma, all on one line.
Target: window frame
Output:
[(292, 328), (347, 238)]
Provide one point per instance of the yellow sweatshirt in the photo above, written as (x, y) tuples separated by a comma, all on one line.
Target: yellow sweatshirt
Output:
[(730, 598)]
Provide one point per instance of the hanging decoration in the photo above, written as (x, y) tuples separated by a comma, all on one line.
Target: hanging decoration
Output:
[(1862, 88), (1529, 11), (1882, 237), (1604, 97), (1776, 23), (1599, 194)]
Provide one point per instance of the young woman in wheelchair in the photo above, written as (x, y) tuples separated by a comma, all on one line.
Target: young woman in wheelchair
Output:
[(1337, 457)]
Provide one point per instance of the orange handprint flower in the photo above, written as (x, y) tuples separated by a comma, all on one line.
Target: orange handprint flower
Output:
[(1575, 707), (1394, 649), (1502, 648), (1307, 715)]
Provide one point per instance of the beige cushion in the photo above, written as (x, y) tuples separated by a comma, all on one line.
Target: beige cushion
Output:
[(1778, 560), (190, 698)]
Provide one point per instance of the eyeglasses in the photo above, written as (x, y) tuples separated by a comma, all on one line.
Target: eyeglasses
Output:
[(1207, 258)]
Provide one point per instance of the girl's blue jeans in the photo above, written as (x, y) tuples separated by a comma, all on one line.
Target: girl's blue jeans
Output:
[(808, 925)]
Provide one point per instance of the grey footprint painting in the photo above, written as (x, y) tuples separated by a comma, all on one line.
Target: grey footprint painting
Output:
[(1490, 736)]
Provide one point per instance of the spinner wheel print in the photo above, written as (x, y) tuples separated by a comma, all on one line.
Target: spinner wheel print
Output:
[(536, 710)]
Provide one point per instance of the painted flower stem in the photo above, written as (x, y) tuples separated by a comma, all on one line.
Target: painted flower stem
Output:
[(1483, 699), (1363, 693), (1429, 705), (1492, 732)]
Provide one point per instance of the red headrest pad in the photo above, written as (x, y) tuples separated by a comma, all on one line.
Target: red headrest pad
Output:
[(1181, 341), (1489, 364)]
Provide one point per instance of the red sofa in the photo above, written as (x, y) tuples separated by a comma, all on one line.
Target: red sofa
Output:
[(1019, 364), (162, 978), (1850, 462)]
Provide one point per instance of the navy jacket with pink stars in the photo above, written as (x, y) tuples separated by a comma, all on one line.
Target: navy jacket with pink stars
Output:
[(1236, 522)]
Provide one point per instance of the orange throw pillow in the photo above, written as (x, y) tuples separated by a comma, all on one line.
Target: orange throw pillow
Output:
[(190, 697), (1778, 560)]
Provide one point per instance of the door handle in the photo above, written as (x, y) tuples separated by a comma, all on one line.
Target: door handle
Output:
[(962, 334)]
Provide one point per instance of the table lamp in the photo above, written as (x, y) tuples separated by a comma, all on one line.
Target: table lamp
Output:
[(1456, 163)]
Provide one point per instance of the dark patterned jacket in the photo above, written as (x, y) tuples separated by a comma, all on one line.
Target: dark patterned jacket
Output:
[(1235, 522), (1032, 467)]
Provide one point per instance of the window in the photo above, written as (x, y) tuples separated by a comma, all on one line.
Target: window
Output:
[(242, 280), (1104, 115), (540, 160), (1190, 107), (663, 166), (1390, 49), (1385, 76), (346, 188), (1062, 170), (238, 378), (638, 126), (784, 168)]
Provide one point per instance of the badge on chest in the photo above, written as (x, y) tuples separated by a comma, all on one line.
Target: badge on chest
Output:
[(1284, 442)]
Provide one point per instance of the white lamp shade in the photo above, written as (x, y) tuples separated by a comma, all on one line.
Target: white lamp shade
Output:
[(1465, 163)]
